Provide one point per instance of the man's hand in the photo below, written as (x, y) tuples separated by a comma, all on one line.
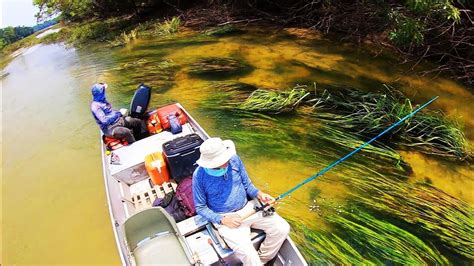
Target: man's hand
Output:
[(231, 221), (265, 198)]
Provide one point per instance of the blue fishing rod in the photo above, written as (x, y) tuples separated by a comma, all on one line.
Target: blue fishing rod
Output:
[(320, 173)]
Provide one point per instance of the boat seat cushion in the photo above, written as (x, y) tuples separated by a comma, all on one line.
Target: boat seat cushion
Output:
[(146, 224), (163, 250)]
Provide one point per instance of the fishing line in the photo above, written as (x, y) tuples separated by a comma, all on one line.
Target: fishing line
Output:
[(320, 173)]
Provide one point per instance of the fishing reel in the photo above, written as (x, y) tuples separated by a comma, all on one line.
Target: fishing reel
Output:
[(266, 209)]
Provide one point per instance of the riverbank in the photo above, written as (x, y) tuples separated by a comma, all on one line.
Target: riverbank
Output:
[(385, 26)]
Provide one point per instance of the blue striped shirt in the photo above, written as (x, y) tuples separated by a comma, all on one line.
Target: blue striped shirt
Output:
[(214, 195)]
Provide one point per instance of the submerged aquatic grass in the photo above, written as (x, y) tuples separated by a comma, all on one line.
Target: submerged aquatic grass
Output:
[(434, 212), (325, 248), (158, 74), (345, 141), (359, 238), (226, 93), (274, 101), (216, 68), (381, 242), (221, 30), (367, 114)]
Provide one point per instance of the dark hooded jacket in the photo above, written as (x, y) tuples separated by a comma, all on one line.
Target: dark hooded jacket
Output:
[(101, 108)]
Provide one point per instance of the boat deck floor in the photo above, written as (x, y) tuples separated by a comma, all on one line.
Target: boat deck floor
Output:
[(143, 194)]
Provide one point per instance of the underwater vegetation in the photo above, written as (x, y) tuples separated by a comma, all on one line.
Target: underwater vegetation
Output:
[(387, 219), (370, 113), (217, 68), (221, 30), (367, 114), (274, 101), (382, 242), (342, 142), (436, 213), (155, 73), (360, 238)]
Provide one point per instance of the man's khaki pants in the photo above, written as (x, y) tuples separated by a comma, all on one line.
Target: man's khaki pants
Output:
[(238, 239)]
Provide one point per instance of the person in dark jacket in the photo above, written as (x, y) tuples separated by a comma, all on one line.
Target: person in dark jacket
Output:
[(111, 122)]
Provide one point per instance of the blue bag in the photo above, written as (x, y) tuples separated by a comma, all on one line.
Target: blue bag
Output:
[(175, 126)]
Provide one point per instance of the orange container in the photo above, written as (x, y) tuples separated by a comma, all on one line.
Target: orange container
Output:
[(171, 109), (156, 168), (153, 124)]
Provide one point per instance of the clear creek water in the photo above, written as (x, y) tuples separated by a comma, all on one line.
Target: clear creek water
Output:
[(53, 196)]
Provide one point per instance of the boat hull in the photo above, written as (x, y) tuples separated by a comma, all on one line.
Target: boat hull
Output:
[(129, 191)]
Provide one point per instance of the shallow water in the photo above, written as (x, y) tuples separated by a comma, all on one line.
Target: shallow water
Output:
[(54, 201)]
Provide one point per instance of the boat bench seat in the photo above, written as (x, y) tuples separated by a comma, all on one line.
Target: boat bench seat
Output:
[(152, 237), (165, 250)]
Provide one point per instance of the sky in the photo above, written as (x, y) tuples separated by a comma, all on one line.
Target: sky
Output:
[(17, 13)]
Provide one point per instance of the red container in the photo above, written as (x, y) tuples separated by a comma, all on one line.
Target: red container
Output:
[(171, 109), (112, 143)]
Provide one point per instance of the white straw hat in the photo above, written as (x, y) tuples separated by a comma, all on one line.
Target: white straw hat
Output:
[(215, 152)]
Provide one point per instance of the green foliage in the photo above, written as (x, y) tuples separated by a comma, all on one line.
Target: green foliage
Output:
[(25, 42), (99, 30), (54, 37), (67, 8), (10, 35), (168, 27), (89, 31), (3, 43), (429, 7), (407, 31), (22, 31)]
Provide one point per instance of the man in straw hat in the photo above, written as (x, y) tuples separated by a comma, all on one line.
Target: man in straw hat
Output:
[(221, 189)]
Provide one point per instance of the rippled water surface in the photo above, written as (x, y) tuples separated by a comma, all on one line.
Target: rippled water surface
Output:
[(54, 205)]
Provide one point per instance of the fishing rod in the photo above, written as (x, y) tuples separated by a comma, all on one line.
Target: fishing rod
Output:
[(320, 173)]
